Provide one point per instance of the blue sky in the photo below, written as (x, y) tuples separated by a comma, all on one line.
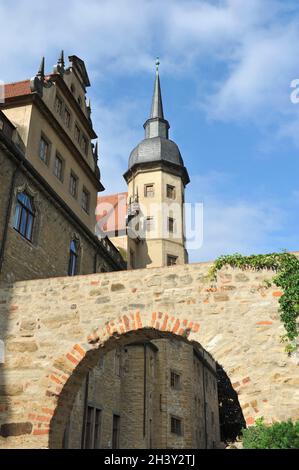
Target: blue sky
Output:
[(226, 69)]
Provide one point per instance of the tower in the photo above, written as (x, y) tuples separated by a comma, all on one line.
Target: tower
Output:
[(156, 179)]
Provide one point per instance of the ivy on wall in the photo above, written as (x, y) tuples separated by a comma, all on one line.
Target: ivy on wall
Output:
[(286, 266)]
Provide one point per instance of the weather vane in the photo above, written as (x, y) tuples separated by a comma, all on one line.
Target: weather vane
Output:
[(157, 64)]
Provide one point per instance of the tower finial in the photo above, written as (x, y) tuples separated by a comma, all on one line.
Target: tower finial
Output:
[(157, 64), (61, 59), (41, 71)]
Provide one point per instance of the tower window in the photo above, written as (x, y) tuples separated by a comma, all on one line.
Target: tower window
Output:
[(74, 257), (149, 190), (170, 191), (24, 216), (171, 225), (73, 185), (176, 426), (44, 150), (171, 260), (58, 167), (85, 200), (149, 224), (175, 380)]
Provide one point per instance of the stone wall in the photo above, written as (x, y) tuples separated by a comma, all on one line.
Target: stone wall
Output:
[(55, 330)]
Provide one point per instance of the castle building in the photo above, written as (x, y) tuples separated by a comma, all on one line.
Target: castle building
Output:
[(164, 396), (159, 393), (49, 179), (153, 234)]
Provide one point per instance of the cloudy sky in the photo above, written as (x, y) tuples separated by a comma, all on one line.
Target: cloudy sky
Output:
[(226, 69)]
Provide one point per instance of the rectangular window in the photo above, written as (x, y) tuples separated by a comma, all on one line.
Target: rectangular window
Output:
[(44, 150), (171, 260), (24, 216), (92, 428), (149, 224), (58, 105), (115, 432), (149, 190), (170, 191), (175, 380), (77, 133), (67, 117), (58, 167), (84, 144), (176, 426), (73, 185), (85, 200), (171, 225)]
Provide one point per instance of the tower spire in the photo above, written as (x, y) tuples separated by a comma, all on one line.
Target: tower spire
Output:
[(157, 105), (156, 125)]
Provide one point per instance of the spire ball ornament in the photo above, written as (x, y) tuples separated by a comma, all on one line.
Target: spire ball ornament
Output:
[(157, 64)]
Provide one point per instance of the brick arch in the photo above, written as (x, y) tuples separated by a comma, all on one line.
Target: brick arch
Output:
[(60, 380)]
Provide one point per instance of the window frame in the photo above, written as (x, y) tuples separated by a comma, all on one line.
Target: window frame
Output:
[(173, 257), (92, 427), (174, 420), (73, 267), (43, 138), (175, 380), (146, 187), (149, 228), (86, 193), (115, 418), (29, 212), (171, 225), (74, 177), (59, 157), (173, 191)]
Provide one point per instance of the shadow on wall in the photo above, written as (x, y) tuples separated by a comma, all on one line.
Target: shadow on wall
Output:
[(230, 412)]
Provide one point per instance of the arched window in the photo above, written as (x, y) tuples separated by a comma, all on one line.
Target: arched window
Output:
[(74, 257), (24, 215)]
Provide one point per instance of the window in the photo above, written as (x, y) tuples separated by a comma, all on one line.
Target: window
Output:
[(149, 190), (73, 185), (84, 144), (175, 380), (176, 426), (67, 117), (85, 200), (115, 432), (171, 260), (77, 133), (58, 167), (74, 256), (44, 149), (58, 105), (170, 191), (92, 428), (24, 215), (149, 224), (171, 224)]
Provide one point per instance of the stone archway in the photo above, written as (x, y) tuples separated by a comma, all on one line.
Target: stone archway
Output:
[(236, 320)]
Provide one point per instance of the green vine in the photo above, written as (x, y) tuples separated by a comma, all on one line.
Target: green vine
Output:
[(286, 266)]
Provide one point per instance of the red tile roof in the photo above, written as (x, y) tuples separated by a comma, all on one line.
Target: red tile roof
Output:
[(17, 89), (113, 208)]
